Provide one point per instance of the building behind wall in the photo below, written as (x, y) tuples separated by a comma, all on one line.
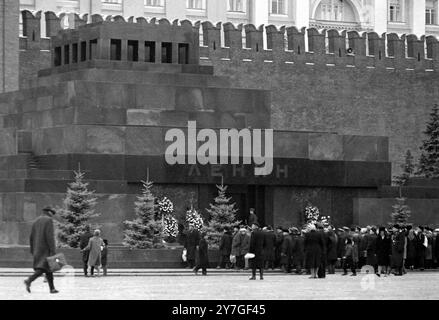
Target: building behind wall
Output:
[(400, 16)]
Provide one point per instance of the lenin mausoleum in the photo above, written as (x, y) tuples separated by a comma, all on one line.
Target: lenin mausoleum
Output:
[(344, 107)]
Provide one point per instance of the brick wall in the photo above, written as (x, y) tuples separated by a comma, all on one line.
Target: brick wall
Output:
[(386, 87)]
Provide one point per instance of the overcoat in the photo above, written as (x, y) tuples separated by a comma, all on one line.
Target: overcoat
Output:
[(203, 257), (298, 251), (331, 246), (371, 258), (83, 242), (94, 246), (240, 244), (252, 218), (192, 241), (257, 247), (270, 243), (287, 250), (411, 249), (42, 242), (383, 250), (398, 243), (225, 246), (341, 245), (314, 249)]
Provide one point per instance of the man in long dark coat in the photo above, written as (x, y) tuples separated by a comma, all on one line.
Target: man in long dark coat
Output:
[(326, 241), (225, 249), (270, 244), (203, 255), (257, 247), (83, 242), (42, 246), (192, 242), (298, 252), (278, 246), (331, 250), (286, 252), (370, 240), (420, 248), (398, 243)]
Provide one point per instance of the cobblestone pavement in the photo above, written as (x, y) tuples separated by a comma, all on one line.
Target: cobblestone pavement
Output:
[(416, 285)]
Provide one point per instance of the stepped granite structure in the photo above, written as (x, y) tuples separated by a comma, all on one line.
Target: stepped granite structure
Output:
[(104, 94), (113, 91)]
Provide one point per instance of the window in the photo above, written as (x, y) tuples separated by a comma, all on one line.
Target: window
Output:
[(332, 10), (149, 51), (133, 50), (236, 6), (166, 52), (115, 49), (154, 3), (195, 4), (430, 16), (395, 11), (278, 7), (183, 53), (112, 1)]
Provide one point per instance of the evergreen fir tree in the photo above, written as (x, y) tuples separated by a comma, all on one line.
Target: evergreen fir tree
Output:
[(407, 171), (401, 212), (78, 208), (222, 215), (429, 159), (144, 232)]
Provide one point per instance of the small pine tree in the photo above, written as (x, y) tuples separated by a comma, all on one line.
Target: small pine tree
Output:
[(144, 232), (429, 159), (78, 208), (222, 215), (401, 212)]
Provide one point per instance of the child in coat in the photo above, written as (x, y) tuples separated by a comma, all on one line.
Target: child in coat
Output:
[(350, 257)]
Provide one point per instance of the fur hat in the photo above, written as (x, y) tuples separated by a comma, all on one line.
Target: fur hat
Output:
[(49, 209)]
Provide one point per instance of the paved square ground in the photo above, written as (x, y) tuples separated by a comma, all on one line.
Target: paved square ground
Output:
[(416, 285)]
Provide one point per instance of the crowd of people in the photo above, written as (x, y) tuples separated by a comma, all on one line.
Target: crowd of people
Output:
[(322, 248), (317, 250)]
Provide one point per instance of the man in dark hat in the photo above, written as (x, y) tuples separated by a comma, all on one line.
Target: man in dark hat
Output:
[(257, 247), (42, 246)]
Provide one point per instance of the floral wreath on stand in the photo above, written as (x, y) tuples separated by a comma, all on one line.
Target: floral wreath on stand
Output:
[(169, 222), (312, 217), (194, 219)]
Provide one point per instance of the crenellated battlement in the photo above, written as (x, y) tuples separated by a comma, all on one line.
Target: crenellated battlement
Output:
[(263, 44)]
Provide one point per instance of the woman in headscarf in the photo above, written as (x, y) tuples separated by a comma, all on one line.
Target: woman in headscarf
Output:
[(95, 246)]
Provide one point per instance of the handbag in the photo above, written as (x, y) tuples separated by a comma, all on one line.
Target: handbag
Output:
[(56, 262)]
